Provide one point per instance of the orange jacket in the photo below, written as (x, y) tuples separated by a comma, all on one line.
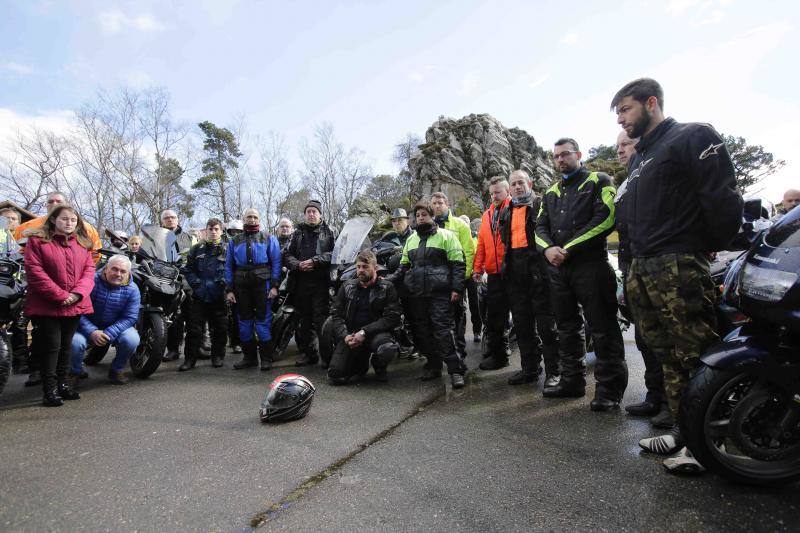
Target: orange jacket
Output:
[(490, 252), (37, 223)]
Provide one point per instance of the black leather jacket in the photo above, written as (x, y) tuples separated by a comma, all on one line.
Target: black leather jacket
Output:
[(384, 307)]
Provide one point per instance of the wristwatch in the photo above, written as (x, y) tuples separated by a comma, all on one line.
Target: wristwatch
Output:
[(362, 333)]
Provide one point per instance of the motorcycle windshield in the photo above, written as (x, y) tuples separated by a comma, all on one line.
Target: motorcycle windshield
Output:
[(786, 232), (352, 240), (159, 243)]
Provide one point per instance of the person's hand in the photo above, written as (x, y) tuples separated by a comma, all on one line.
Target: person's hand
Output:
[(349, 341), (230, 298), (307, 265), (556, 255), (357, 339), (98, 338), (454, 297), (476, 277), (273, 293), (71, 299)]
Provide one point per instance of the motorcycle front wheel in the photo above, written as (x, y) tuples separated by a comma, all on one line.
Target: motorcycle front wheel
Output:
[(283, 329), (729, 420), (5, 362), (152, 343)]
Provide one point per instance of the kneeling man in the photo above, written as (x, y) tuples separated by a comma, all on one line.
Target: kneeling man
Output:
[(115, 300), (365, 312)]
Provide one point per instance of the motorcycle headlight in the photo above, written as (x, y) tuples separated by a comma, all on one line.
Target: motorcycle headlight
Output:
[(766, 284)]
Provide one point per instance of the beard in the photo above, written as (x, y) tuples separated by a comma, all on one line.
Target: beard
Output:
[(641, 124), (364, 277)]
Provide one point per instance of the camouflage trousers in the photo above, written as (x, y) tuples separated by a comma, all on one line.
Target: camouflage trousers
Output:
[(672, 299)]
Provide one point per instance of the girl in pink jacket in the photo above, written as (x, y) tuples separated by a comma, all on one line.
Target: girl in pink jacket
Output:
[(60, 274)]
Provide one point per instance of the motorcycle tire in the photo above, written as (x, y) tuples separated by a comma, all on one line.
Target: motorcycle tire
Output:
[(5, 362), (326, 341), (282, 332), (94, 355), (152, 344), (707, 409)]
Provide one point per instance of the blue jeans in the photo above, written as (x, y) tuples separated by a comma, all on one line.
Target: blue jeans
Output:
[(125, 344)]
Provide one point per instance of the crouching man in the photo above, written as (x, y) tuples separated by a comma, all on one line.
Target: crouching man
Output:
[(115, 300), (365, 312)]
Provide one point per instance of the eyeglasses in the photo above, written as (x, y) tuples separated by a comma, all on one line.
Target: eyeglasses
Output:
[(562, 155)]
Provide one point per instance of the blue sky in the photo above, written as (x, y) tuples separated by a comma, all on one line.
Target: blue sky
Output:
[(378, 70)]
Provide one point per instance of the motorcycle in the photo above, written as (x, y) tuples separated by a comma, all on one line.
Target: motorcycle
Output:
[(158, 276), (740, 414), (12, 296), (284, 320)]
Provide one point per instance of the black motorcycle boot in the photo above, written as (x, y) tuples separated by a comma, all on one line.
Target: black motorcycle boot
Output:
[(66, 392), (216, 361), (188, 363), (34, 378), (265, 353), (566, 388), (52, 399), (662, 420), (249, 356)]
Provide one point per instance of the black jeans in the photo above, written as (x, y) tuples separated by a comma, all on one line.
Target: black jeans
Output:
[(54, 346), (216, 314), (177, 328), (529, 300), (346, 362), (496, 318), (592, 285), (432, 322), (312, 302)]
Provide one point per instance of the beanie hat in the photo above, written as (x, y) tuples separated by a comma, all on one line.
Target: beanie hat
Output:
[(315, 204)]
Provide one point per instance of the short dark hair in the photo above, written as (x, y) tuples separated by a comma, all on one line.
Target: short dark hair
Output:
[(213, 221), (640, 90), (568, 140), (366, 256), (422, 204)]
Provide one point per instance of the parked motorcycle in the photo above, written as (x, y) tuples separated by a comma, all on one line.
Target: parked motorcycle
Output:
[(284, 320), (158, 276), (740, 414), (12, 296)]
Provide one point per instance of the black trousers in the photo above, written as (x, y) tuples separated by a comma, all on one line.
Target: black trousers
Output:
[(233, 325), (346, 362), (529, 299), (474, 311), (216, 314), (54, 346), (497, 310), (592, 285), (432, 322), (178, 327), (312, 302), (460, 327)]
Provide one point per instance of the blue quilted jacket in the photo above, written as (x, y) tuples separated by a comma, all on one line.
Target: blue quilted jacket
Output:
[(115, 308)]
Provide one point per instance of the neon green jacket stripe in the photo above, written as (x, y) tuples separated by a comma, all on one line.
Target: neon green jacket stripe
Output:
[(607, 195)]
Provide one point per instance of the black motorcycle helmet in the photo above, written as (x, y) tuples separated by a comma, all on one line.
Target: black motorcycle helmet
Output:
[(289, 397)]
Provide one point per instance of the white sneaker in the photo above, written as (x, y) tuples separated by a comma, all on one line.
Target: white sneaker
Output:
[(683, 462), (662, 445)]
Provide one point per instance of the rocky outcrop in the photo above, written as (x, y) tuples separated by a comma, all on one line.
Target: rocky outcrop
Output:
[(464, 154)]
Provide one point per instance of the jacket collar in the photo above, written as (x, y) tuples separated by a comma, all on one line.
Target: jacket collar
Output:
[(576, 178), (651, 138)]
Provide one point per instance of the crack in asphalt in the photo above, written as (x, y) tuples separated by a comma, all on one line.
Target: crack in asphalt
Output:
[(274, 509)]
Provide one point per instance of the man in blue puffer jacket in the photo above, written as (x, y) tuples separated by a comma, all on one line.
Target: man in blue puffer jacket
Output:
[(252, 277), (116, 308), (205, 273)]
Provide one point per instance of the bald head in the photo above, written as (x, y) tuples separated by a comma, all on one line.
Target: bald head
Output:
[(625, 147), (791, 199)]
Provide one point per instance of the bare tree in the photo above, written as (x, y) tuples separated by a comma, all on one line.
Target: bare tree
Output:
[(274, 182), (333, 175)]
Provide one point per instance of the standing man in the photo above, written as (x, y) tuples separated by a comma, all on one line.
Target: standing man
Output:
[(232, 229), (526, 287), (654, 404), (252, 275), (205, 273), (285, 230), (365, 312), (308, 258), (445, 219), (432, 270), (489, 254), (183, 243), (681, 204), (53, 200), (401, 230), (576, 215)]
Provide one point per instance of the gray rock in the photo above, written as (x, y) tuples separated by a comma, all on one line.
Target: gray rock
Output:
[(461, 156)]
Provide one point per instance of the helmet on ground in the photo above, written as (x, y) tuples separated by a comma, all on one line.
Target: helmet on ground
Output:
[(235, 225), (289, 397)]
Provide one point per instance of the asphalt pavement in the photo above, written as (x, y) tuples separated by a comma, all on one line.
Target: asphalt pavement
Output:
[(185, 451)]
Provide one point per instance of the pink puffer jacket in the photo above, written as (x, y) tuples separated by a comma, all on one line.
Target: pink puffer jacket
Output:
[(53, 270)]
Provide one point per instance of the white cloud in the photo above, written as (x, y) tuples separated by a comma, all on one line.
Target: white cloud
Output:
[(569, 39), (59, 121), (538, 81), (697, 12), (17, 68), (115, 21), (416, 77), (137, 79), (469, 83)]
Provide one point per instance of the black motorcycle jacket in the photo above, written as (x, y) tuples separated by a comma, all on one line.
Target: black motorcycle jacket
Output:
[(527, 261), (310, 242), (681, 194), (432, 263), (384, 308), (577, 214)]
